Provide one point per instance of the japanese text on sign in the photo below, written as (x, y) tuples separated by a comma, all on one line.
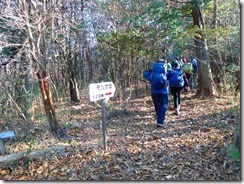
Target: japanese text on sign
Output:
[(102, 90)]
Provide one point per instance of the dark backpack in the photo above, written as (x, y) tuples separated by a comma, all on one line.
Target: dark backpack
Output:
[(158, 77)]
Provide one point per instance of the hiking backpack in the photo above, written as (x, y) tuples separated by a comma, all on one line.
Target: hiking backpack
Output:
[(175, 78), (158, 77), (188, 68)]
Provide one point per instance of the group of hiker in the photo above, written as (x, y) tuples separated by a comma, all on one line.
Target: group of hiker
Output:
[(170, 77)]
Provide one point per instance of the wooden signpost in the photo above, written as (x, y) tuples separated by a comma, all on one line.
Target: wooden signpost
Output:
[(102, 91)]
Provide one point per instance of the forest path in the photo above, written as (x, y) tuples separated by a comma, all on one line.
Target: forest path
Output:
[(190, 146)]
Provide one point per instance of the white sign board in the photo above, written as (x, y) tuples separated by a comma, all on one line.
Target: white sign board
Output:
[(101, 90)]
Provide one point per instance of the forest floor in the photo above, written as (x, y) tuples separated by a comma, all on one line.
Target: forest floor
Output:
[(198, 144)]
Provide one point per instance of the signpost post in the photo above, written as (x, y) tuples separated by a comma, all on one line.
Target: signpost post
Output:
[(102, 91), (104, 125)]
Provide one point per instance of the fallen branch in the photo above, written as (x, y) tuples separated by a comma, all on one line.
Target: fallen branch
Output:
[(6, 159)]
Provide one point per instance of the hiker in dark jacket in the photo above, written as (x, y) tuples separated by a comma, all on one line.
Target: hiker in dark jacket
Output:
[(176, 79), (195, 73), (159, 95)]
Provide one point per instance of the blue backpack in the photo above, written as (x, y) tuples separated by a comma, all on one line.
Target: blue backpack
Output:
[(158, 75), (175, 78)]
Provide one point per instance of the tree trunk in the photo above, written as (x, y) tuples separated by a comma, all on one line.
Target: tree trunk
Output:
[(238, 135), (48, 102), (218, 73), (74, 92), (86, 47), (205, 79)]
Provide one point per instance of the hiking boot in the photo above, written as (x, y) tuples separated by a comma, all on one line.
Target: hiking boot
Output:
[(159, 125), (177, 112), (178, 107)]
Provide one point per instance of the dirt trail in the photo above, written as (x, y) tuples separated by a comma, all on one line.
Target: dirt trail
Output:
[(189, 147)]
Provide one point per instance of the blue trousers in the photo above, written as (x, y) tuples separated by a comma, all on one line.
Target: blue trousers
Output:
[(160, 102)]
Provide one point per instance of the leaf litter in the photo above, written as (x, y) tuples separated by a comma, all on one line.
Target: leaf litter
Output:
[(190, 146)]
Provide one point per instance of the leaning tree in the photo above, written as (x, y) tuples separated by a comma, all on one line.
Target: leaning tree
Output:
[(36, 21)]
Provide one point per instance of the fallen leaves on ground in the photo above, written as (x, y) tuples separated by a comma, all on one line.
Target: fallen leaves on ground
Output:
[(190, 146)]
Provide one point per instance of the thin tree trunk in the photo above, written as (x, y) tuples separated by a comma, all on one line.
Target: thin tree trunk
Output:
[(238, 135), (219, 74), (48, 103), (74, 92), (16, 105), (86, 48)]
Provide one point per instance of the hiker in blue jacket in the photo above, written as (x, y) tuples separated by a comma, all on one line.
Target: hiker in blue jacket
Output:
[(195, 73), (177, 79), (159, 95)]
